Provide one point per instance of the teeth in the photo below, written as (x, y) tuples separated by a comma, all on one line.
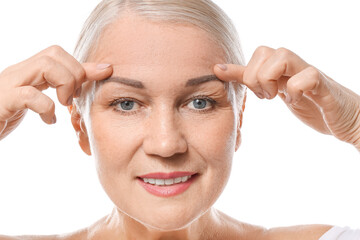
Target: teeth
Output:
[(159, 181), (184, 179), (177, 180), (170, 181)]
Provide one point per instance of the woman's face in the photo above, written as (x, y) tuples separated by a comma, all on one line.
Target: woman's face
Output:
[(162, 123)]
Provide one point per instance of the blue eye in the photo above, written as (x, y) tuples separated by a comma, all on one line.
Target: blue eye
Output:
[(124, 105), (199, 103), (127, 105)]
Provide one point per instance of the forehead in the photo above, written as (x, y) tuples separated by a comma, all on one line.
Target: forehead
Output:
[(134, 40)]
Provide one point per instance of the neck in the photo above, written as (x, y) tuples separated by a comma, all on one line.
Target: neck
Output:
[(120, 226)]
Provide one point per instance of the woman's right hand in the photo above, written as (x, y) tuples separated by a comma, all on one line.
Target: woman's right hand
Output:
[(22, 83)]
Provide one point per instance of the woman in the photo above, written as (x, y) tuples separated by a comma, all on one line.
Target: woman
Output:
[(141, 89)]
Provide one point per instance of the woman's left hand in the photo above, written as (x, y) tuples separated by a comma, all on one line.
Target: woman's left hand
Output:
[(313, 97)]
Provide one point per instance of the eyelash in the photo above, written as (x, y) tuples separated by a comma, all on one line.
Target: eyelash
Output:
[(201, 97)]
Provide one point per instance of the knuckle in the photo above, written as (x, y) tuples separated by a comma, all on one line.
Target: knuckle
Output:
[(293, 86), (80, 74), (284, 53), (27, 93), (250, 84), (54, 50), (312, 72), (263, 50)]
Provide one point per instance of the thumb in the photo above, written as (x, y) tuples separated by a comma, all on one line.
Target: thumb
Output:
[(230, 72), (96, 72)]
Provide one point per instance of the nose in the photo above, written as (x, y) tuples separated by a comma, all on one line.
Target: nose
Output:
[(164, 134)]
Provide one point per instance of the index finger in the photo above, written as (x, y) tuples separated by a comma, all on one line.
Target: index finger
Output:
[(94, 72), (97, 72), (230, 72)]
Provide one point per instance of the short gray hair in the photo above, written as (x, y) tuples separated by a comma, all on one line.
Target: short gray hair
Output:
[(201, 13)]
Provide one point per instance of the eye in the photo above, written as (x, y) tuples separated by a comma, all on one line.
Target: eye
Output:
[(201, 102), (124, 105), (127, 105)]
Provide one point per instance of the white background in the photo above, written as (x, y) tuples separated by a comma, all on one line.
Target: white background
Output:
[(284, 173)]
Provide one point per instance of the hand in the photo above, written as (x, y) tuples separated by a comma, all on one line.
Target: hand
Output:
[(21, 85), (313, 97)]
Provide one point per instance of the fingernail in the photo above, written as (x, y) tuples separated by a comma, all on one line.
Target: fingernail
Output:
[(267, 95), (78, 92), (288, 98), (70, 100), (54, 119), (103, 66), (222, 66)]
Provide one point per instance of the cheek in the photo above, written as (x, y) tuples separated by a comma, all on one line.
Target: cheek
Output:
[(214, 137), (214, 140), (114, 143)]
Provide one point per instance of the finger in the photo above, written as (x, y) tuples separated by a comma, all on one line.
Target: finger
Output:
[(69, 62), (62, 57), (42, 87), (281, 84), (230, 72), (251, 80), (96, 71), (41, 71), (59, 77), (310, 81), (282, 63), (28, 97)]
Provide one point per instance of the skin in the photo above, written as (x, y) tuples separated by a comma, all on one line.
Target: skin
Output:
[(161, 132)]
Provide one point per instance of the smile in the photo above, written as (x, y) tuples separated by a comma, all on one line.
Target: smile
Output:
[(166, 187), (170, 181)]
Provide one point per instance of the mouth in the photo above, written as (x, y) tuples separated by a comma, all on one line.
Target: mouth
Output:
[(167, 184)]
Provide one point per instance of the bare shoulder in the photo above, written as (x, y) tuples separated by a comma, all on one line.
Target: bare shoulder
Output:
[(2, 237), (231, 228), (300, 232), (90, 233)]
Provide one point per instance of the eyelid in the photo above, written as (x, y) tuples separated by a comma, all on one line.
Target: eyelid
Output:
[(201, 97)]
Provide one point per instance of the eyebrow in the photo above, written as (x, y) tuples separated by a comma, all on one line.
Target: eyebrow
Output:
[(138, 84)]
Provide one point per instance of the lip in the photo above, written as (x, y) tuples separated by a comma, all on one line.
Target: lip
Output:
[(167, 190), (162, 175)]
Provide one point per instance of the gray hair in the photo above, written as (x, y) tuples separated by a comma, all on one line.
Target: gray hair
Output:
[(201, 13)]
